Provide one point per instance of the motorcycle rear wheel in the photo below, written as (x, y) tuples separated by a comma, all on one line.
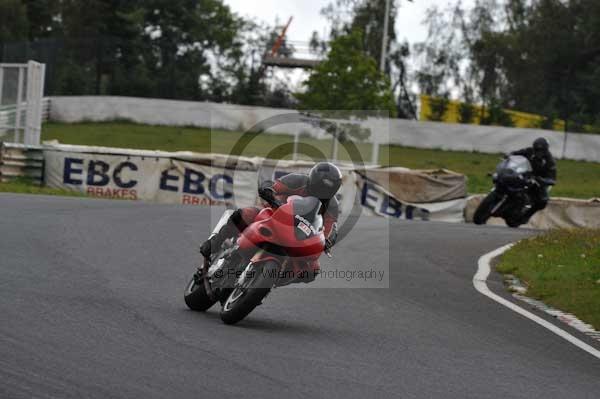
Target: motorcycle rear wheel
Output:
[(243, 299), (196, 297), (484, 210)]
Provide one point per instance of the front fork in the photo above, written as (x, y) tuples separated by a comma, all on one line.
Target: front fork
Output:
[(207, 285), (499, 205)]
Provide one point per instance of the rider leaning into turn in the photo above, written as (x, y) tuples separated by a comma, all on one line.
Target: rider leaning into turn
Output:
[(544, 171), (323, 181)]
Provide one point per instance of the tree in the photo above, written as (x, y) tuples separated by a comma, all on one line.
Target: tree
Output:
[(181, 38), (13, 21), (367, 16), (42, 17), (537, 56), (441, 54), (347, 80)]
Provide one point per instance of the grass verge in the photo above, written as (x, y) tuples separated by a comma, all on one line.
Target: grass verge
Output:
[(575, 179), (562, 269), (27, 186)]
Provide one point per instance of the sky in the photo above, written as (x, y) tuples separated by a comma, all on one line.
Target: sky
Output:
[(307, 16)]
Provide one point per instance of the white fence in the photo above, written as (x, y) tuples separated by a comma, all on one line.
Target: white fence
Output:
[(487, 139), (22, 105), (8, 114)]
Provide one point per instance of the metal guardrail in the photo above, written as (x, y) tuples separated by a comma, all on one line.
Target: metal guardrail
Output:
[(19, 160)]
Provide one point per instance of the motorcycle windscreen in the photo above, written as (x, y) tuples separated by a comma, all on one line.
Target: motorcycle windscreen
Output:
[(518, 163), (307, 220)]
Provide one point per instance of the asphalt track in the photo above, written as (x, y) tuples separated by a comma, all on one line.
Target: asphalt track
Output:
[(91, 307)]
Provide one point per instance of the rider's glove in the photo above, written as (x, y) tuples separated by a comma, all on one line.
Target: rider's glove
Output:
[(268, 194), (329, 244), (546, 181), (330, 241)]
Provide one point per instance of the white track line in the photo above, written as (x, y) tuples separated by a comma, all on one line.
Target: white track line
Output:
[(479, 281)]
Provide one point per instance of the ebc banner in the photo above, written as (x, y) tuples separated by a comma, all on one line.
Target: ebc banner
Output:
[(149, 178)]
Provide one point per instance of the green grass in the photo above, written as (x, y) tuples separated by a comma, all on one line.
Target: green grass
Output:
[(172, 138), (27, 186), (562, 268), (575, 179)]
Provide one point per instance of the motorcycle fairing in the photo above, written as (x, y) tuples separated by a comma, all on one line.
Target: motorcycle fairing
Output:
[(223, 221), (279, 229), (517, 163), (307, 220), (513, 173)]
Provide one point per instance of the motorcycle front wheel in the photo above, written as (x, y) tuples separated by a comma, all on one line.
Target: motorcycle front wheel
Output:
[(246, 296), (484, 210), (195, 295)]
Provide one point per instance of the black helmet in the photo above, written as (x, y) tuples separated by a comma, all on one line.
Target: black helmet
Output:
[(540, 146), (324, 180)]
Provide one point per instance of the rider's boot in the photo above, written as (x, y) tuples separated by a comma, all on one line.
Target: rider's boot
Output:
[(237, 222), (214, 242)]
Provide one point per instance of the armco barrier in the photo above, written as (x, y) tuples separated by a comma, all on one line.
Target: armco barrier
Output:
[(447, 136), (206, 179), (18, 160)]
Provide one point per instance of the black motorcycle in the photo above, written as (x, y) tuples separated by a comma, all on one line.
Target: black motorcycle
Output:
[(511, 197)]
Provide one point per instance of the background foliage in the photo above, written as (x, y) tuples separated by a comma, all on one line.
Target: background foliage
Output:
[(184, 49), (536, 56)]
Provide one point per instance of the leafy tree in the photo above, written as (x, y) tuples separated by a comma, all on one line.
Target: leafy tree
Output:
[(440, 56), (496, 115), (439, 106), (466, 113), (13, 21), (367, 16), (153, 48), (247, 80), (42, 17), (537, 56), (179, 39), (347, 80)]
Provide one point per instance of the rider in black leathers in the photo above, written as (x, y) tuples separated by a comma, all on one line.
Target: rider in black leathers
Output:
[(544, 171)]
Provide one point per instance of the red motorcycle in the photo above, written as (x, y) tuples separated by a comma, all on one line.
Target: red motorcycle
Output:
[(280, 247)]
